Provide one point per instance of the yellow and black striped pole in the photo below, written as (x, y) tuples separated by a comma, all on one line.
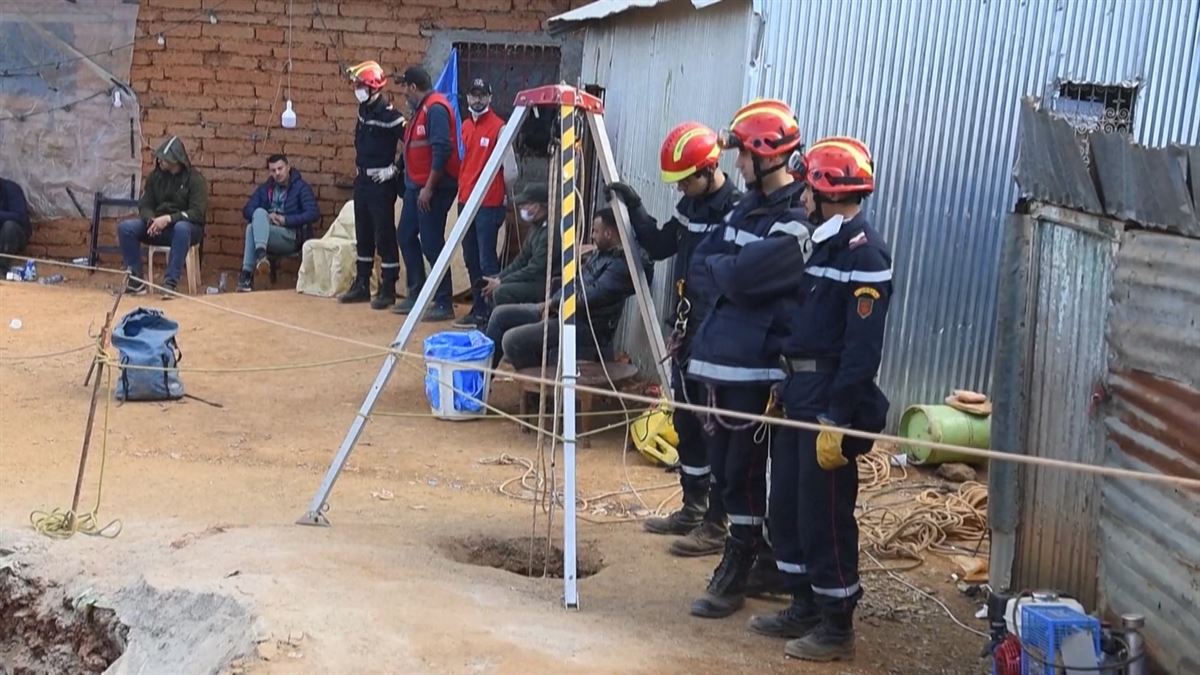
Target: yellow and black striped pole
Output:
[(567, 346)]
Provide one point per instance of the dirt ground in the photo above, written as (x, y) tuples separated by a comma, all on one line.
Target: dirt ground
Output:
[(208, 497)]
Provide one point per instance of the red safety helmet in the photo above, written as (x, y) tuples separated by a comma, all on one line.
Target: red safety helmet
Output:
[(840, 166), (369, 74), (766, 127), (689, 148)]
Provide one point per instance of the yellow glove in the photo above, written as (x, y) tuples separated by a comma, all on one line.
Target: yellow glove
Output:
[(829, 448)]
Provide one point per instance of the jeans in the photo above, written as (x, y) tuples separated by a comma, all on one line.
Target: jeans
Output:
[(12, 242), (424, 232), (261, 235), (479, 252), (180, 236)]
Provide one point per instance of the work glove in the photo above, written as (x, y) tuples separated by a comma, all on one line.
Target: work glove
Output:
[(385, 174), (829, 447), (625, 193)]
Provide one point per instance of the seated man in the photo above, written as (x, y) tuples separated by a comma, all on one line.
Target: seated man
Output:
[(15, 228), (280, 213), (170, 213), (524, 279), (604, 285)]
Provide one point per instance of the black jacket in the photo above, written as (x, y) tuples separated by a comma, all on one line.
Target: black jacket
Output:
[(14, 207), (605, 283)]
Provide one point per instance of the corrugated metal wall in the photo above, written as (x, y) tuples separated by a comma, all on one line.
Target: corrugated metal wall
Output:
[(1150, 534), (660, 67), (1056, 543), (933, 86)]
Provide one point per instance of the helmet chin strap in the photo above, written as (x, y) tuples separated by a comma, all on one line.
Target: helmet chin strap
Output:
[(760, 173)]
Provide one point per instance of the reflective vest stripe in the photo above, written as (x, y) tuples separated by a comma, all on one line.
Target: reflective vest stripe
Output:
[(791, 568), (745, 520), (695, 470), (740, 237), (846, 276), (846, 592), (378, 123), (723, 373)]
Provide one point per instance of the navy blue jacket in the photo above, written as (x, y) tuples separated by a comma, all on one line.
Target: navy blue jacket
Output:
[(846, 289), (299, 207), (378, 133), (739, 342), (13, 206), (694, 219), (605, 283)]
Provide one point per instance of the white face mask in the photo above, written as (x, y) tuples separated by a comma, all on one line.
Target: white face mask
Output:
[(528, 213), (362, 94)]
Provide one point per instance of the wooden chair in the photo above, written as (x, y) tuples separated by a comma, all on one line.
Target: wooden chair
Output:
[(591, 374)]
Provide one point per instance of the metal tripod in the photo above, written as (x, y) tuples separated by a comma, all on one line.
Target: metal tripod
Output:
[(568, 100)]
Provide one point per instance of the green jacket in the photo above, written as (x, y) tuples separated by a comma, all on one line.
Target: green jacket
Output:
[(530, 263), (183, 196)]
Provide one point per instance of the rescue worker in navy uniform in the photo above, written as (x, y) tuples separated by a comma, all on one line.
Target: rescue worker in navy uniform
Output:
[(832, 355), (376, 138), (736, 351), (688, 159)]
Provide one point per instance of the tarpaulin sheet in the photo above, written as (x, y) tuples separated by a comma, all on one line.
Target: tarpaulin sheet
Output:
[(61, 138)]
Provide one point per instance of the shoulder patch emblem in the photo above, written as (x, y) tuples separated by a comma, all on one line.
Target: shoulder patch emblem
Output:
[(865, 291), (866, 301), (858, 240)]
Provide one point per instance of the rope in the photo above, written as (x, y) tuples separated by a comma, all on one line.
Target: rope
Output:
[(38, 357), (1094, 469), (62, 524)]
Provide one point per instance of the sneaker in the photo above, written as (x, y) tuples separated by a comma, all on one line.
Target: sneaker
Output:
[(168, 292), (438, 313), (406, 305), (245, 282), (135, 287), (261, 263), (468, 322)]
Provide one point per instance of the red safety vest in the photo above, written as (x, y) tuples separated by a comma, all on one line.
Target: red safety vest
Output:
[(480, 138), (418, 153)]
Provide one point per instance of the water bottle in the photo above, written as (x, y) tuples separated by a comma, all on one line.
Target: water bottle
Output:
[(30, 273), (52, 279), (223, 284)]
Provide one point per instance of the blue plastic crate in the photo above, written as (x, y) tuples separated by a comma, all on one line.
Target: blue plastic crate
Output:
[(1043, 630)]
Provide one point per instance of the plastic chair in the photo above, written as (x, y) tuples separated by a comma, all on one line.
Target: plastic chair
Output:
[(191, 264)]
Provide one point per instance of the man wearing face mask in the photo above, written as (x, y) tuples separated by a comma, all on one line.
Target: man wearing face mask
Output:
[(524, 279), (376, 137), (688, 159), (431, 167), (481, 134)]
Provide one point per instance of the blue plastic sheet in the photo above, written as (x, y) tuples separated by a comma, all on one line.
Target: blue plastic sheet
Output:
[(468, 384)]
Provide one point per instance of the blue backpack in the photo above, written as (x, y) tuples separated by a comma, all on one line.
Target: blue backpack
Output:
[(146, 337)]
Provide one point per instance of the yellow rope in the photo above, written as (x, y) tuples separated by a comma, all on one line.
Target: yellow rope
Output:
[(38, 357), (62, 524)]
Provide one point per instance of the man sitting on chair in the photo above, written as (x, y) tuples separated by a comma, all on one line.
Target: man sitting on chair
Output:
[(524, 279), (170, 213), (604, 285), (280, 213)]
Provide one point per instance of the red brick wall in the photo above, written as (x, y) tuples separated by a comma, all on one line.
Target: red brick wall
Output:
[(218, 87)]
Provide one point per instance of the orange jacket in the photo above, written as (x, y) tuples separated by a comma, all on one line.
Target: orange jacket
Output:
[(418, 152)]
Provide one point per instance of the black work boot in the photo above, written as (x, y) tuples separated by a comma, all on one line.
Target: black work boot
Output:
[(408, 304), (707, 538), (687, 518), (796, 621), (726, 592), (831, 640), (385, 297), (765, 577), (360, 291)]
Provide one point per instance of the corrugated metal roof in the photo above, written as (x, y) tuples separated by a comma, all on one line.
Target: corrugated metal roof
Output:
[(602, 9), (1049, 167), (1150, 534), (1145, 185)]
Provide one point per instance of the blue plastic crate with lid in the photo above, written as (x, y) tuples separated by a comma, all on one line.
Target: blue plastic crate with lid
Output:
[(1044, 628)]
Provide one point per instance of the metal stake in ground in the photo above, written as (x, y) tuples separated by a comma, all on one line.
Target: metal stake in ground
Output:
[(98, 362)]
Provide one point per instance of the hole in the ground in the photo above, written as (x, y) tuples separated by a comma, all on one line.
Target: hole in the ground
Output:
[(41, 633), (517, 556)]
